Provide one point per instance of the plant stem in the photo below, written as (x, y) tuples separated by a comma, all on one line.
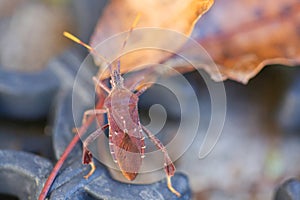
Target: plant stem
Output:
[(67, 151)]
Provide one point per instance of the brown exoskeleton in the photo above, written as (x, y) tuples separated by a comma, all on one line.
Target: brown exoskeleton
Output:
[(126, 140)]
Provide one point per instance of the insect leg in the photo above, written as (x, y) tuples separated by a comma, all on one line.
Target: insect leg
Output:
[(87, 114), (141, 78), (141, 90), (95, 112), (169, 166), (87, 157), (136, 20), (134, 85), (101, 85)]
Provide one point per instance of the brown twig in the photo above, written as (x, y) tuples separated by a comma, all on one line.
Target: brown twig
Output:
[(68, 150)]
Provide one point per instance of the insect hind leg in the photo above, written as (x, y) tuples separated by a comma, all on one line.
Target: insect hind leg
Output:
[(169, 166), (87, 158), (93, 168)]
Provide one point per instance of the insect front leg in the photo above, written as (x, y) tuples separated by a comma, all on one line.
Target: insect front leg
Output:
[(138, 86), (94, 112), (169, 166), (142, 89), (101, 85), (88, 113), (87, 156), (133, 85)]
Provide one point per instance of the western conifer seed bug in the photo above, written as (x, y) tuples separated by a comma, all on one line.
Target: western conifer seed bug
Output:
[(126, 140)]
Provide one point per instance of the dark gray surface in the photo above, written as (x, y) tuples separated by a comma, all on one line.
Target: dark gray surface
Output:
[(70, 184), (26, 95), (22, 174), (289, 190)]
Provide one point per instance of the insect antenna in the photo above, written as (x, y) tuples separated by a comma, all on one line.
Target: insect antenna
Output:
[(117, 80), (91, 49), (136, 20), (116, 72)]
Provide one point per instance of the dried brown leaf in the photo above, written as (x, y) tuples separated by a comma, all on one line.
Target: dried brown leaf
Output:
[(244, 36), (119, 15), (241, 36)]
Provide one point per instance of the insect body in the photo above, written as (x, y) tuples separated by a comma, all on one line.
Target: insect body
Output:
[(126, 139), (126, 133)]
